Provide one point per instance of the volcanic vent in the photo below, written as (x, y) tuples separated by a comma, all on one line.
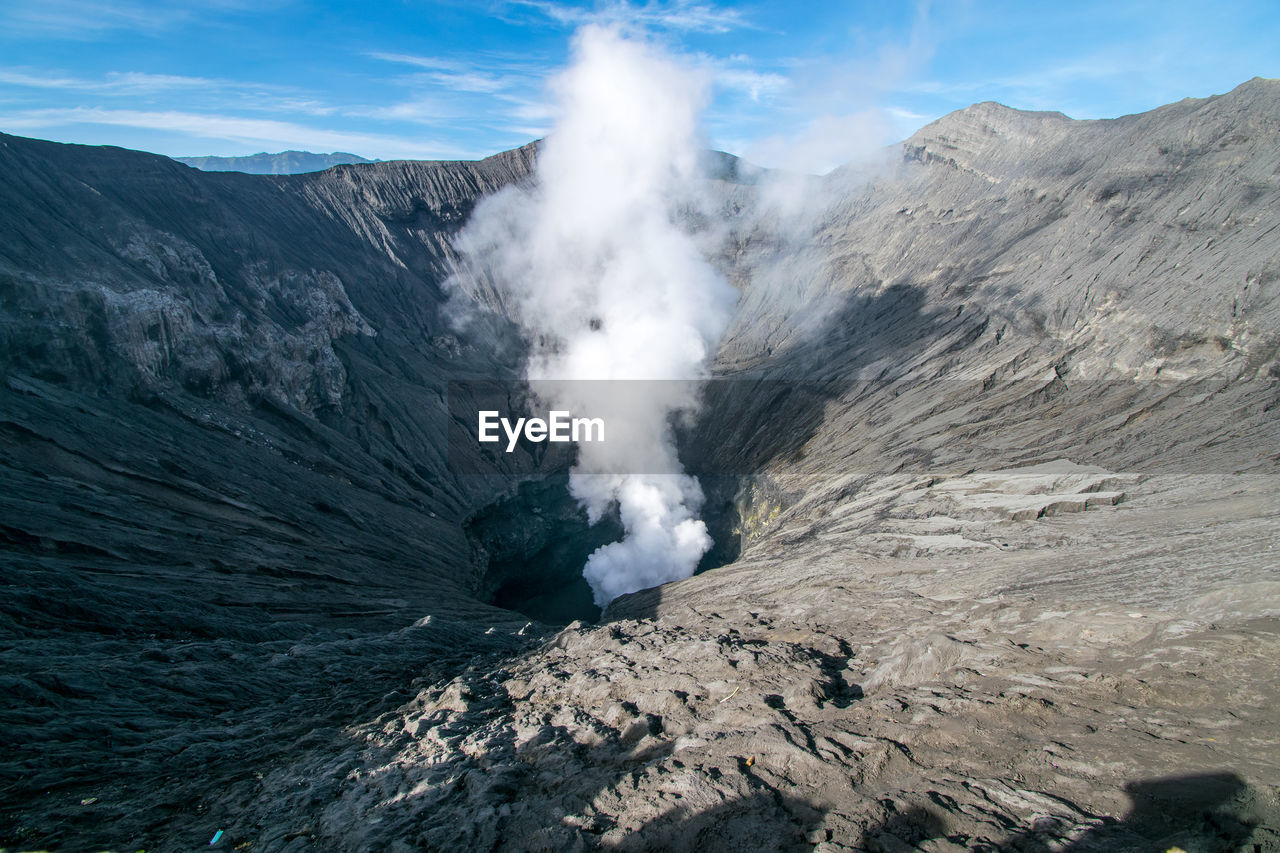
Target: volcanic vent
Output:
[(997, 438)]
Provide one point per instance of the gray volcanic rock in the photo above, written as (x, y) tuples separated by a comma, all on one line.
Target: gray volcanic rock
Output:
[(284, 163), (999, 424), (223, 455)]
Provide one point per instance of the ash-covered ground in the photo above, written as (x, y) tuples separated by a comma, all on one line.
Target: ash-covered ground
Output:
[(997, 432)]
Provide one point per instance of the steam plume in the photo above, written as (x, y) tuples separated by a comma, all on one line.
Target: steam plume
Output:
[(591, 260)]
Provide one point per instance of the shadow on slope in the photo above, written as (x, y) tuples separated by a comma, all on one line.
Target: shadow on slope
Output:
[(535, 541), (1202, 812)]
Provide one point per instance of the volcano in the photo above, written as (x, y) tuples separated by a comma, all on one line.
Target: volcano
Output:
[(990, 457)]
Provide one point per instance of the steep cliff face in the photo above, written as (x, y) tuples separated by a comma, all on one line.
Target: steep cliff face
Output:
[(1126, 241), (131, 272), (223, 448), (1015, 288), (995, 439)]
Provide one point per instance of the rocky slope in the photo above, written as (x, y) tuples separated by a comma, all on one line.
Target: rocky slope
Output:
[(222, 456), (996, 444)]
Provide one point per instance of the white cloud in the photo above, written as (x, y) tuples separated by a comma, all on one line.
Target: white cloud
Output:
[(530, 110), (266, 96), (1054, 85), (123, 82), (485, 77), (905, 114), (503, 94), (679, 15), (755, 84), (251, 132), (417, 110), (306, 106), (824, 143), (420, 61), (524, 132), (83, 18), (470, 81), (217, 95), (92, 19), (824, 109)]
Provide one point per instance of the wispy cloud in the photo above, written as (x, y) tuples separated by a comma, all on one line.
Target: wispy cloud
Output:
[(677, 15), (468, 81), (297, 106), (813, 111), (1054, 85), (252, 132), (211, 92), (417, 110), (93, 19), (474, 92), (83, 18), (119, 82), (756, 85), (485, 75), (434, 62), (905, 114), (1032, 81)]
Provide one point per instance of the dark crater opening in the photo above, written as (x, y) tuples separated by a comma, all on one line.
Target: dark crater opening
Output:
[(722, 514), (533, 544)]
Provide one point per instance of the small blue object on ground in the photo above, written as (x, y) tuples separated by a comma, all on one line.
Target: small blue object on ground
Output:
[(216, 837)]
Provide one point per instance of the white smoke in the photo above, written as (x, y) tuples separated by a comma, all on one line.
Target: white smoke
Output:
[(593, 261)]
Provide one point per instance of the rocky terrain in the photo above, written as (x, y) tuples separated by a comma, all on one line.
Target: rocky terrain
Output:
[(991, 456)]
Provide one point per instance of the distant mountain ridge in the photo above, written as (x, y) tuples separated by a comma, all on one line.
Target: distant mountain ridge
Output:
[(284, 163)]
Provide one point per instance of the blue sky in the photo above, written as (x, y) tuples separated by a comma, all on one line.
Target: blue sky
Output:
[(444, 80)]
